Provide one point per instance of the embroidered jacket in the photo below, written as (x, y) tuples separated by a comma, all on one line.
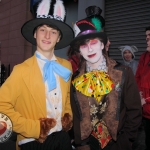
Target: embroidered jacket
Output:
[(122, 114)]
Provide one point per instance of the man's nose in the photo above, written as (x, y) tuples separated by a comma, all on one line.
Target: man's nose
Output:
[(90, 48), (47, 35)]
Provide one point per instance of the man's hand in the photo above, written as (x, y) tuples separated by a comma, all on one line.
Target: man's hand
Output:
[(142, 99), (66, 122), (45, 125)]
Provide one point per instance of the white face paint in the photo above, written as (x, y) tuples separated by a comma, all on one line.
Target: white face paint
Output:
[(92, 52)]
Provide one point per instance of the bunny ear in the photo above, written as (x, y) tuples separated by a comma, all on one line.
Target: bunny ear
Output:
[(59, 9), (135, 49), (121, 48), (43, 8)]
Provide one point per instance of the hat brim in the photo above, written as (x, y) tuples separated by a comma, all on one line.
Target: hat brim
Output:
[(100, 35), (67, 32)]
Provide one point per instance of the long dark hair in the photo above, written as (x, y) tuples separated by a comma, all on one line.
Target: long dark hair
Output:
[(70, 52)]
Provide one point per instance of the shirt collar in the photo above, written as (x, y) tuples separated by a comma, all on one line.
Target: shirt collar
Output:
[(43, 57)]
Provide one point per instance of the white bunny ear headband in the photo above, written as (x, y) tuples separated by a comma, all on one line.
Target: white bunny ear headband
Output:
[(55, 20), (44, 7)]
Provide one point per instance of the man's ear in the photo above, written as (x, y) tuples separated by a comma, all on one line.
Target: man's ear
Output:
[(35, 35), (80, 53), (58, 39), (102, 45)]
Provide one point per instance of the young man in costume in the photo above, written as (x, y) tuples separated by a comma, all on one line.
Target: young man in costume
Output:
[(36, 96), (128, 56), (73, 56), (104, 95), (143, 81)]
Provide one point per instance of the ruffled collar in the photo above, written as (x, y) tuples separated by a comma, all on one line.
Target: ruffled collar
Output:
[(101, 67)]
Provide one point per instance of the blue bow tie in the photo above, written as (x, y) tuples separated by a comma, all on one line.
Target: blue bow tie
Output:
[(48, 72)]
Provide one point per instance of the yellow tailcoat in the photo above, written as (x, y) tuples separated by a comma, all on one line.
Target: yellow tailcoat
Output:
[(23, 98)]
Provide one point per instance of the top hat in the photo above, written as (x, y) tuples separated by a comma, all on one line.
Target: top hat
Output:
[(90, 27), (55, 20), (95, 11)]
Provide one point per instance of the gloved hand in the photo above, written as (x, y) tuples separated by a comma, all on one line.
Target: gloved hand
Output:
[(66, 121), (45, 125)]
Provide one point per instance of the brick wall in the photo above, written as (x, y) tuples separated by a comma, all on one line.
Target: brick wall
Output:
[(14, 48)]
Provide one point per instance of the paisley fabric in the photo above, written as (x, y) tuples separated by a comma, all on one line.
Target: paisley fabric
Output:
[(100, 132), (94, 84)]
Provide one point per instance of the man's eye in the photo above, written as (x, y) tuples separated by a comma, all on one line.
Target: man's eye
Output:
[(53, 31), (41, 29), (83, 46)]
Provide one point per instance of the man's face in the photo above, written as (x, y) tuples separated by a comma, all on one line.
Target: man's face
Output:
[(148, 40), (46, 38), (127, 55), (92, 51)]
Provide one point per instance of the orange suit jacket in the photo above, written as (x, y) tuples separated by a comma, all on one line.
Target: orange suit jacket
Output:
[(23, 98)]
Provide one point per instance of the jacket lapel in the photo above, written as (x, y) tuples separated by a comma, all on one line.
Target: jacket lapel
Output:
[(85, 124), (62, 86), (111, 116), (34, 82)]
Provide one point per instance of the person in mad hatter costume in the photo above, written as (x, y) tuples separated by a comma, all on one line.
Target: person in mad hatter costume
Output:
[(104, 95), (36, 95)]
